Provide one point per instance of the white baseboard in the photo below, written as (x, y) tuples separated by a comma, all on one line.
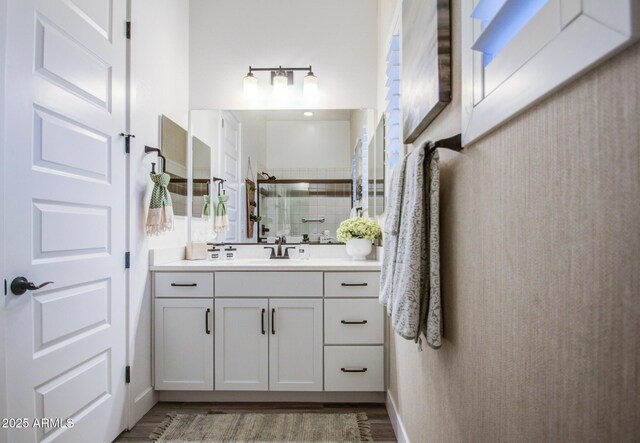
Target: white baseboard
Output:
[(143, 403), (275, 396), (396, 421)]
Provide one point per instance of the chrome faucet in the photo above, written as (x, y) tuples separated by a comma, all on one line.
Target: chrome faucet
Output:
[(279, 255)]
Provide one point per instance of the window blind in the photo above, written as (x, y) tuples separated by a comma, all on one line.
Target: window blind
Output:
[(392, 121), (502, 21)]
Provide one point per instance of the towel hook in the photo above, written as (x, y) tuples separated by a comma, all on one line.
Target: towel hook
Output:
[(148, 150)]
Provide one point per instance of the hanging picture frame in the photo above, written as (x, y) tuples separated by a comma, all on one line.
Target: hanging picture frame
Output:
[(251, 206), (425, 79)]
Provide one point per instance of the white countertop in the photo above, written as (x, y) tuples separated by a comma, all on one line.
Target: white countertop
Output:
[(264, 264)]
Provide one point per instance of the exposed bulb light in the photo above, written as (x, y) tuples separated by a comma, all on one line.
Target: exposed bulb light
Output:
[(280, 83), (310, 88), (308, 114), (281, 78), (250, 84)]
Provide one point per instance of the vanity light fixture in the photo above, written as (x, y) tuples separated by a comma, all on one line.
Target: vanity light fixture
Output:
[(281, 78)]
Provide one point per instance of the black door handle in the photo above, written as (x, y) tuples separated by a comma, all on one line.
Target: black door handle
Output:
[(184, 284), (262, 316), (347, 322), (20, 285), (353, 370), (206, 321), (273, 321), (354, 284)]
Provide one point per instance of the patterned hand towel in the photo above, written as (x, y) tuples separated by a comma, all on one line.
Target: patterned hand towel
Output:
[(206, 207), (410, 284), (221, 221), (160, 217)]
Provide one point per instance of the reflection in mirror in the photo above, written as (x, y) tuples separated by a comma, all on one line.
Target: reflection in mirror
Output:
[(201, 204), (309, 210), (301, 165), (174, 148), (376, 171)]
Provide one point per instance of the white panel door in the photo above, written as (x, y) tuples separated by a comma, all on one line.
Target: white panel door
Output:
[(242, 346), (184, 344), (295, 345), (65, 186), (229, 169)]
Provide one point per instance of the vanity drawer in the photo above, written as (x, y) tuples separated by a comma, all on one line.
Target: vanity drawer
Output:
[(353, 322), (351, 284), (268, 284), (354, 368), (183, 284)]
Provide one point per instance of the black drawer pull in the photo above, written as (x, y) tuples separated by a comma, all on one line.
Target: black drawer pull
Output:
[(262, 316), (273, 321), (206, 321), (353, 370), (354, 284), (347, 322), (184, 284)]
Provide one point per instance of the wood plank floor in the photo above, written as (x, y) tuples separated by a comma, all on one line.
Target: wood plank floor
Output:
[(381, 429)]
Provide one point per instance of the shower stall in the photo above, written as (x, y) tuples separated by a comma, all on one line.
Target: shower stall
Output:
[(303, 209)]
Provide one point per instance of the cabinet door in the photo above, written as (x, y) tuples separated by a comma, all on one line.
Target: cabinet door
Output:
[(184, 344), (295, 345), (242, 345)]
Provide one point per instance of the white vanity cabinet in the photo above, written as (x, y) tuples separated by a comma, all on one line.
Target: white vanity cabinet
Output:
[(268, 344), (353, 332), (295, 345), (184, 344), (254, 330), (242, 344)]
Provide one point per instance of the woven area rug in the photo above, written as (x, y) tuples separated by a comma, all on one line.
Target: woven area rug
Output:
[(263, 428)]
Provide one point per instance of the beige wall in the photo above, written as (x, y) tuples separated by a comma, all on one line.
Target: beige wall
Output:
[(540, 248)]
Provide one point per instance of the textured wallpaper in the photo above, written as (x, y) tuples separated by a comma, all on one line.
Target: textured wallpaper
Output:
[(540, 238)]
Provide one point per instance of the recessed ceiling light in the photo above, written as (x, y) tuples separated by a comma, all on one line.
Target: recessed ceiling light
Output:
[(308, 113)]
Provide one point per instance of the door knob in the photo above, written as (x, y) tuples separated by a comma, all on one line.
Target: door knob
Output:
[(20, 285)]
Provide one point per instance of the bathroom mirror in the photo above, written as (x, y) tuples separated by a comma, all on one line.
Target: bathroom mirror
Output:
[(376, 171), (173, 144), (201, 182), (299, 161)]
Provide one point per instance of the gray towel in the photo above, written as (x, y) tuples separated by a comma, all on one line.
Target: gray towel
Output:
[(410, 277)]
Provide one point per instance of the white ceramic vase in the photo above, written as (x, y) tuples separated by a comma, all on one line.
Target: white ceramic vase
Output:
[(358, 248)]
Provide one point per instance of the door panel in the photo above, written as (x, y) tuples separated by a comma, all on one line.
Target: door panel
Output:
[(184, 344), (242, 346), (295, 345), (66, 187), (230, 170)]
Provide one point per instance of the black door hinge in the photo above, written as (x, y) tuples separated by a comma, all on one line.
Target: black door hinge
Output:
[(127, 374), (128, 30), (127, 260), (127, 141)]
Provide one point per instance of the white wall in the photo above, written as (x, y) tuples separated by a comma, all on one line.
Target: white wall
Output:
[(3, 37), (337, 37), (314, 144), (159, 85)]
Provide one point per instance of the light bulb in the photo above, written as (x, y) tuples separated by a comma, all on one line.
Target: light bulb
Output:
[(250, 84), (280, 83), (310, 88)]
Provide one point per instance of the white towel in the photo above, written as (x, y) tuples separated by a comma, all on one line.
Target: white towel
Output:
[(410, 282)]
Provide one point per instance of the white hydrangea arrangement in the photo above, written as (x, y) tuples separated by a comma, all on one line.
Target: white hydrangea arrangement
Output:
[(358, 227)]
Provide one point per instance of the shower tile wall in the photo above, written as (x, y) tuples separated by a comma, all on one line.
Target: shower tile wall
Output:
[(283, 214)]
